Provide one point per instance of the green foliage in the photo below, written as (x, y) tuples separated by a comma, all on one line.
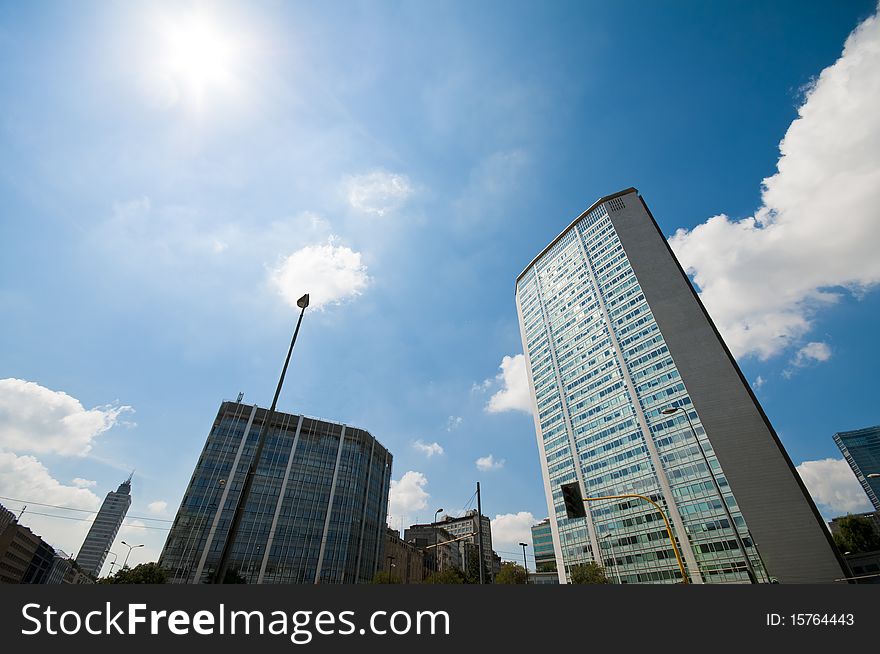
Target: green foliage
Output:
[(472, 575), (857, 534), (447, 576), (511, 573), (383, 577), (145, 573), (588, 573)]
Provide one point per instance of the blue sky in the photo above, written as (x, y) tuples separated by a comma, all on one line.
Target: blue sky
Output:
[(172, 175)]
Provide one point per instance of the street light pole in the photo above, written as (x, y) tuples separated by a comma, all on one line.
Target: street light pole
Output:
[(130, 548), (525, 562), (223, 565), (113, 562), (436, 548), (613, 556), (753, 578)]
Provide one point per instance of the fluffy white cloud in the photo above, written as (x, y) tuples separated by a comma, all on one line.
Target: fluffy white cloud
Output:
[(514, 394), (764, 277), (329, 273), (79, 482), (487, 463), (453, 422), (158, 507), (36, 419), (812, 352), (407, 496), (834, 487), (511, 529), (758, 383), (378, 192), (428, 449), (26, 478)]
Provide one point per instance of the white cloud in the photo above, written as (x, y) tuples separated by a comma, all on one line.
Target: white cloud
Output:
[(482, 387), (158, 507), (812, 352), (26, 478), (514, 394), (36, 419), (763, 278), (329, 273), (486, 463), (758, 383), (511, 529), (407, 496), (833, 485), (428, 449), (453, 422), (378, 192)]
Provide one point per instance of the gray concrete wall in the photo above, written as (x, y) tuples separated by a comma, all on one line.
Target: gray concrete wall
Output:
[(787, 528)]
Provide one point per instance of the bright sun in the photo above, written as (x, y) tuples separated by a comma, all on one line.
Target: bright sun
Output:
[(198, 56)]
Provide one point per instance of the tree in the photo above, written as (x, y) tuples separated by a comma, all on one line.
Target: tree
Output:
[(383, 577), (448, 576), (588, 573), (856, 534), (145, 573), (511, 573), (472, 575)]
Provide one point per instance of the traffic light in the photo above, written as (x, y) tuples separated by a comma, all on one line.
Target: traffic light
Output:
[(574, 502)]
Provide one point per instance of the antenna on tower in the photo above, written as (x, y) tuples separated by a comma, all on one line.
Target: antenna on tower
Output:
[(240, 397), (128, 481)]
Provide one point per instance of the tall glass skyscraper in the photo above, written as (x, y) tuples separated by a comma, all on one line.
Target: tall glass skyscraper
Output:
[(613, 334), (315, 514), (861, 449), (104, 529)]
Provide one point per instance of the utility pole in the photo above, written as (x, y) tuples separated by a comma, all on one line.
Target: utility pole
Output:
[(480, 531)]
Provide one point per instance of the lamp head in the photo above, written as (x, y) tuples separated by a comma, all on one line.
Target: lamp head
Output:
[(303, 302), (670, 410)]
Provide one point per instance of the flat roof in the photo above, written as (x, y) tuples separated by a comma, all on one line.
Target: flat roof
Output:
[(601, 200)]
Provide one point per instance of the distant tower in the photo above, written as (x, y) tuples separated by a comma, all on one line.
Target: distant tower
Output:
[(100, 537)]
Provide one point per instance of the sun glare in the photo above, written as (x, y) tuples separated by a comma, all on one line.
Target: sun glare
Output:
[(198, 56)]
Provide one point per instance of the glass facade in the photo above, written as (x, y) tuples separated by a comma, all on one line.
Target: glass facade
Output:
[(103, 531), (861, 449), (542, 544), (600, 374), (316, 511)]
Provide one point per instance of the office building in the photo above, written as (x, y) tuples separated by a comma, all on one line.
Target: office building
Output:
[(315, 513), (104, 529), (542, 546), (464, 532), (441, 550), (404, 561), (614, 333), (861, 449)]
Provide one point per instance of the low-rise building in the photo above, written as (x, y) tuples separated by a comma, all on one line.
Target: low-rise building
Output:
[(403, 561)]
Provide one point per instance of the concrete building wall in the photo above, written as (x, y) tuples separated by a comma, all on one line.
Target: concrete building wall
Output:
[(783, 520)]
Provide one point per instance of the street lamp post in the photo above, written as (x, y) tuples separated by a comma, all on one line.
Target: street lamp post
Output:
[(223, 565), (436, 548), (525, 563), (613, 556), (113, 562), (739, 541), (130, 548)]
